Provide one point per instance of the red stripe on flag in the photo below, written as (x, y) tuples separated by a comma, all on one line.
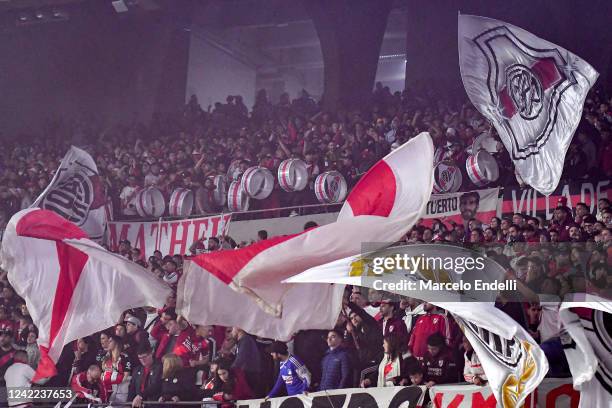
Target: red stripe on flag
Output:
[(375, 192), (45, 224), (546, 70), (226, 264), (72, 262), (507, 103), (46, 368)]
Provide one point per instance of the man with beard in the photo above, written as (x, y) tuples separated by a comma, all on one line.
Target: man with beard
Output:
[(468, 206)]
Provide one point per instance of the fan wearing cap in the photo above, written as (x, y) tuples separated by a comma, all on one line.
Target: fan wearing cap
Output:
[(293, 374), (135, 335)]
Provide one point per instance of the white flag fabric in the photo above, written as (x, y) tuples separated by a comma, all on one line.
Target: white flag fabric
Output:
[(587, 342), (72, 286), (386, 202), (76, 193), (210, 301), (532, 90), (514, 365), (513, 362)]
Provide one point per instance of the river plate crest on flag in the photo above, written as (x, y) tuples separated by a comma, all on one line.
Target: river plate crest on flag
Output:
[(431, 272), (530, 89)]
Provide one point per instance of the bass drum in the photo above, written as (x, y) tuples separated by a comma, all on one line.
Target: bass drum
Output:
[(293, 175), (330, 187), (482, 168), (257, 182), (181, 202), (447, 178), (237, 198), (150, 202)]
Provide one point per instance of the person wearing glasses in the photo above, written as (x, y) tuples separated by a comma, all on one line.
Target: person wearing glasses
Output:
[(145, 384)]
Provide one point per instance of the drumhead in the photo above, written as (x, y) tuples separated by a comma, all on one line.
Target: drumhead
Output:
[(293, 175), (257, 182)]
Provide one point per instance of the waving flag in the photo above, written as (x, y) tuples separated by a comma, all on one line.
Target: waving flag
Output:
[(210, 301), (72, 286), (515, 365), (531, 90), (387, 201), (587, 342), (77, 194), (512, 360)]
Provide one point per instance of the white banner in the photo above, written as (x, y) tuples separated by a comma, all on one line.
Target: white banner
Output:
[(383, 397), (169, 237), (461, 207), (551, 393)]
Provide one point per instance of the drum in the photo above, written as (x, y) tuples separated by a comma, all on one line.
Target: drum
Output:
[(447, 178), (220, 192), (181, 203), (330, 187), (150, 202), (482, 168), (237, 198), (484, 142), (293, 175), (257, 182)]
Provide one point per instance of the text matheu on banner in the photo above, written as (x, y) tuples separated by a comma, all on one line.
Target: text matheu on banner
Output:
[(169, 237)]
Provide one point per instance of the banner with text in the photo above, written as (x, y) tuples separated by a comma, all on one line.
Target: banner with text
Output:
[(387, 397), (461, 207), (530, 202), (551, 393), (169, 237)]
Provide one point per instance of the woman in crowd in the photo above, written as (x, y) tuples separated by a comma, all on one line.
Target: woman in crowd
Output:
[(392, 369), (177, 383), (116, 370), (230, 384)]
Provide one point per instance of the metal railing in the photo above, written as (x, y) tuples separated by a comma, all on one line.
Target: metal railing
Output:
[(308, 209), (129, 404)]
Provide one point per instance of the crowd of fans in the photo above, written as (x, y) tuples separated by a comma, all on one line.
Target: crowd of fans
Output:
[(188, 149), (380, 339)]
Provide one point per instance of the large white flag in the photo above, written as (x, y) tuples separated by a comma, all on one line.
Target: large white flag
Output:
[(386, 202), (76, 193), (72, 286), (587, 342), (512, 360), (204, 299), (531, 90)]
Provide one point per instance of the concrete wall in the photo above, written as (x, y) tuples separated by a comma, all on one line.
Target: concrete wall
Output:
[(214, 73)]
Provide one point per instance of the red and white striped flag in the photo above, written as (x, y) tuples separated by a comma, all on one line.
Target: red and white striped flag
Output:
[(72, 286), (387, 201)]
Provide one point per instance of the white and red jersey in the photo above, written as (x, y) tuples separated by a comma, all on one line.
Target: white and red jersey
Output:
[(472, 367), (115, 372)]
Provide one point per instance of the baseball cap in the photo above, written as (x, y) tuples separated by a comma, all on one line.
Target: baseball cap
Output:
[(134, 320)]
